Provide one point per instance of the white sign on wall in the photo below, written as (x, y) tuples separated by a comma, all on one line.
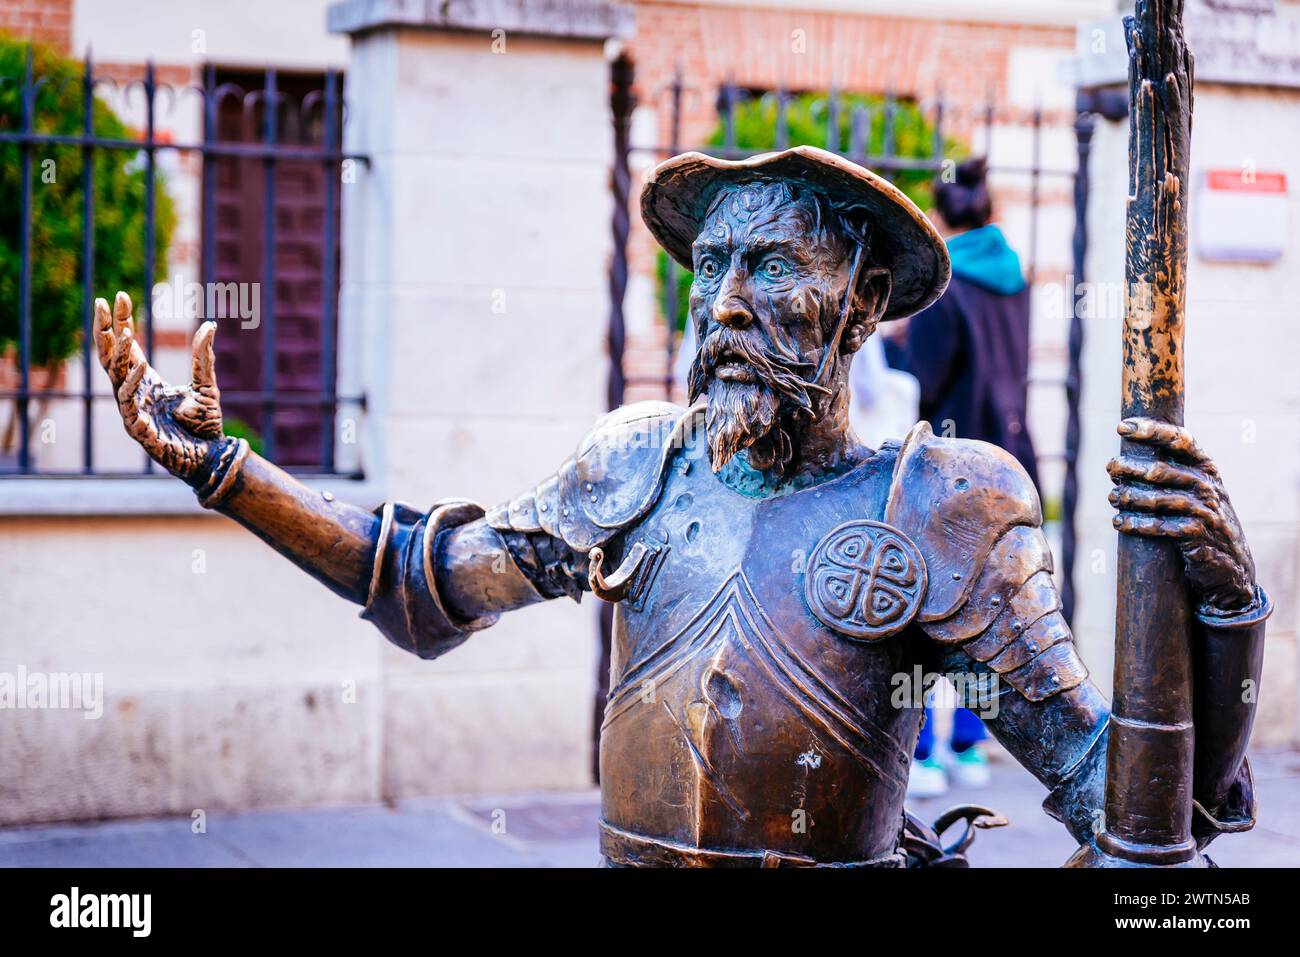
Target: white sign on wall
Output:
[(1241, 216)]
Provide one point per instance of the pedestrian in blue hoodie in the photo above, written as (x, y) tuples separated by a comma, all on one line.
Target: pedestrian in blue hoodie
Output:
[(970, 350), (970, 353)]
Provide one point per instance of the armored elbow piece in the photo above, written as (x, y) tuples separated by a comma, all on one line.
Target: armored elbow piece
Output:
[(404, 601)]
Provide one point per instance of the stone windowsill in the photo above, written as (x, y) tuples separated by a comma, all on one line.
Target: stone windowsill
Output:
[(159, 495)]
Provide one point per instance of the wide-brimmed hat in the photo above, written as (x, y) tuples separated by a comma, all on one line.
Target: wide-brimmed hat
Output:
[(678, 193)]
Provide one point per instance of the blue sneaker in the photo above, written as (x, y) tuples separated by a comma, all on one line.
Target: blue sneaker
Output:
[(927, 779), (970, 768)]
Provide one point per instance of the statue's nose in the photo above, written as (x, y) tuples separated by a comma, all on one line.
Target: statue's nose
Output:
[(733, 311)]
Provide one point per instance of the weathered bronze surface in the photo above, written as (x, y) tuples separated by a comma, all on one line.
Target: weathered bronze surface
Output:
[(783, 593), (1183, 676)]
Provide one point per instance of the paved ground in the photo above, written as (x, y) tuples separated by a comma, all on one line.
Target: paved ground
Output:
[(558, 830)]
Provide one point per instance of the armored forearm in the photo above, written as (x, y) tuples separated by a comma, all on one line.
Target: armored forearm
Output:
[(427, 581), (332, 541), (1062, 742), (1062, 739), (1227, 656)]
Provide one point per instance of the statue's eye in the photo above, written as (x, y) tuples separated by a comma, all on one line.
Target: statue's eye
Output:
[(709, 268), (775, 268)]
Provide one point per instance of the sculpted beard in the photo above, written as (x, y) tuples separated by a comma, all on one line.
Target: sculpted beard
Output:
[(758, 415)]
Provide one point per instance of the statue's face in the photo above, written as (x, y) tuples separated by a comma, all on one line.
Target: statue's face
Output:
[(770, 276)]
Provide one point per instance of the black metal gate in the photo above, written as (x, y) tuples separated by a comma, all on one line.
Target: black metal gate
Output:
[(298, 127)]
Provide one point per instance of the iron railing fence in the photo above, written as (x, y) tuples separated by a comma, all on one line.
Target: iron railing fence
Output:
[(306, 131)]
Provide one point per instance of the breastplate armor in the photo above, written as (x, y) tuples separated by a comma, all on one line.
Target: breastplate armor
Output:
[(737, 719)]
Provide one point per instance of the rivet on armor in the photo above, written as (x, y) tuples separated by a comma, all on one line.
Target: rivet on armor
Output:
[(589, 486), (997, 600), (328, 496), (956, 576), (545, 506)]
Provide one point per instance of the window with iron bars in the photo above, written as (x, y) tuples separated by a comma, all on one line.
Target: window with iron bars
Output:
[(262, 175)]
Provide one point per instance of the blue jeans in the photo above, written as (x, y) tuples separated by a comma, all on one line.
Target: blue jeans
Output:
[(967, 730)]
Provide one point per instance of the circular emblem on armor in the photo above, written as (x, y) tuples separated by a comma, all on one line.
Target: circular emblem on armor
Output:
[(865, 580)]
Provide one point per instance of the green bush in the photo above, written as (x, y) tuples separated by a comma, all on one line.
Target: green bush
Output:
[(119, 200), (806, 124), (237, 428)]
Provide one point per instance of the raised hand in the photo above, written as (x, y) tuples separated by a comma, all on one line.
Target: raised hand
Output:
[(1179, 496), (180, 427)]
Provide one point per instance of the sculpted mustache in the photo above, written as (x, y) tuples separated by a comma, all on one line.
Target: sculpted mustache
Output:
[(777, 368)]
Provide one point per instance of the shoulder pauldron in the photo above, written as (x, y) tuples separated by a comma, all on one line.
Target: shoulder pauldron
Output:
[(955, 498), (974, 514), (613, 478)]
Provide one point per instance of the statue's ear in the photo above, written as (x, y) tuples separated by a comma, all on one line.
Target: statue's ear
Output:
[(874, 286)]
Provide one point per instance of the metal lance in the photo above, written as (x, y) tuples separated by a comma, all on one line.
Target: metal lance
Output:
[(1149, 763)]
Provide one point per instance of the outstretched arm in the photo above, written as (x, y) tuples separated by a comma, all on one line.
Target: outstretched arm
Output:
[(427, 580)]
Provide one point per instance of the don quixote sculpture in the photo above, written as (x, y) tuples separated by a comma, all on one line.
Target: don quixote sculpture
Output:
[(773, 577)]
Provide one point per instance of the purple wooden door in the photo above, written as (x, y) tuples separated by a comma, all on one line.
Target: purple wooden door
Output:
[(237, 233)]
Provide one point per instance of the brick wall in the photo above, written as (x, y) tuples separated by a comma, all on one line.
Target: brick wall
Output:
[(45, 21), (760, 48)]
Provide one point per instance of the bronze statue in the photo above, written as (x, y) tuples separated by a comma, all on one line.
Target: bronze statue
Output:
[(775, 580)]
